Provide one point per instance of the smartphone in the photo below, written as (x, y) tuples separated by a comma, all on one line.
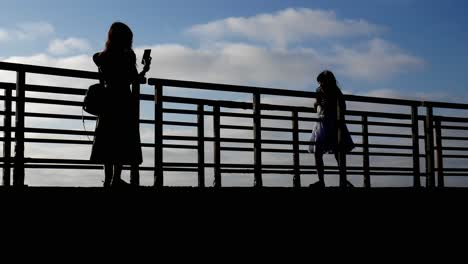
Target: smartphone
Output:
[(146, 56)]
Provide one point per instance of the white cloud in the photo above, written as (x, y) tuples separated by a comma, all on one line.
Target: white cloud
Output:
[(27, 31), (378, 59), (247, 64), (293, 69), (384, 93), (419, 96), (80, 62), (69, 45), (285, 27), (372, 59), (32, 30), (4, 35), (235, 63), (251, 64)]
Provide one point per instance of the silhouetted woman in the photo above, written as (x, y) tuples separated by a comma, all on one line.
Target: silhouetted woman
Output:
[(325, 132), (117, 137)]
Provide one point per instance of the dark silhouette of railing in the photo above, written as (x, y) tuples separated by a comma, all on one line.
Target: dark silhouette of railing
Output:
[(432, 132)]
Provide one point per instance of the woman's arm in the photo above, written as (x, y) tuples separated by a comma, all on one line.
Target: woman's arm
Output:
[(146, 68)]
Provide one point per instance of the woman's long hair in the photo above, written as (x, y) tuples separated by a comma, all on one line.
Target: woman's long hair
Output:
[(328, 83), (119, 39)]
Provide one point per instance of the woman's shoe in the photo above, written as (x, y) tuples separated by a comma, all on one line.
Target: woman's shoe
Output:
[(119, 183), (106, 184)]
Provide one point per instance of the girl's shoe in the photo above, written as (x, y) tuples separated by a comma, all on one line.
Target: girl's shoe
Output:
[(318, 185)]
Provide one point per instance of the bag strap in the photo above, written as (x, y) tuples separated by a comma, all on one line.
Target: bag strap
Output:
[(84, 126), (101, 79)]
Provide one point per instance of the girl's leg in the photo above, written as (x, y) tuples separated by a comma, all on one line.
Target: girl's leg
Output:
[(320, 166), (108, 170), (337, 157), (340, 168)]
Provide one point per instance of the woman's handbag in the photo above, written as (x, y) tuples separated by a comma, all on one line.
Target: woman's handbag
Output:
[(93, 102), (94, 99)]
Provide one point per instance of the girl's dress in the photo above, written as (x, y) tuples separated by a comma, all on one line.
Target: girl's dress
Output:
[(324, 137)]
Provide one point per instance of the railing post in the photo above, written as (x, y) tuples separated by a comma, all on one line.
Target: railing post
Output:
[(341, 152), (430, 147), (135, 168), (158, 137), (18, 171), (257, 129), (440, 157), (7, 142), (365, 151), (415, 137), (217, 146), (296, 158), (201, 145)]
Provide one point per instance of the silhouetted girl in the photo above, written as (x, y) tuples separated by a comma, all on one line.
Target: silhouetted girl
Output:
[(325, 132), (117, 137)]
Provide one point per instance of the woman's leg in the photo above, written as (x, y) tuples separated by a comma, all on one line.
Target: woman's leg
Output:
[(337, 157), (108, 170), (117, 173)]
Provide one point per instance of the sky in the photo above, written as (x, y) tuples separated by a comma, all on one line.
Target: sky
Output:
[(412, 49)]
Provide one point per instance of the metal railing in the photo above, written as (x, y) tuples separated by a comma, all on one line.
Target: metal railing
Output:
[(434, 151)]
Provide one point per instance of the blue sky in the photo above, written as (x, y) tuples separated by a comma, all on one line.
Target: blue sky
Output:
[(430, 31)]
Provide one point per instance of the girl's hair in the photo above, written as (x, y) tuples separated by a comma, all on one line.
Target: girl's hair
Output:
[(328, 81)]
